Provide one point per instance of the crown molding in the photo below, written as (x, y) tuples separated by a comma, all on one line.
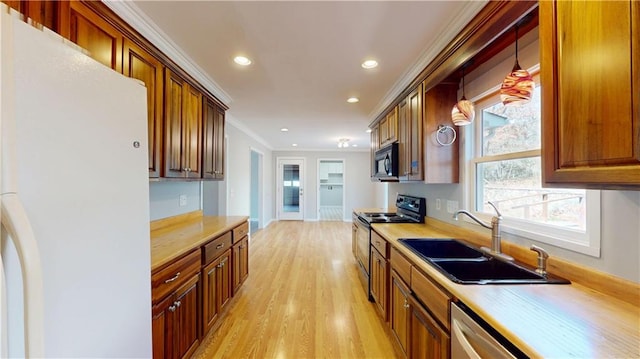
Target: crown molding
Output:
[(137, 19), (448, 32)]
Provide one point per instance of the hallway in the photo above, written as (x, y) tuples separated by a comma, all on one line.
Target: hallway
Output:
[(302, 299)]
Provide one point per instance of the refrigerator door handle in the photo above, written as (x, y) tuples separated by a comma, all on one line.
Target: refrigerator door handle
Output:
[(14, 219)]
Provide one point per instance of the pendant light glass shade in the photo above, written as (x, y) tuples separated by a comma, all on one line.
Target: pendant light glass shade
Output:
[(517, 88), (463, 112)]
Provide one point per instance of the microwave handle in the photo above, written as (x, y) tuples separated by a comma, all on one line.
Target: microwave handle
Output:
[(387, 164)]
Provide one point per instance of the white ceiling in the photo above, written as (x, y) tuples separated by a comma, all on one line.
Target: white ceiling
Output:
[(306, 58)]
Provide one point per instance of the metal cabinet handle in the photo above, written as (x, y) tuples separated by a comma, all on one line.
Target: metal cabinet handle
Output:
[(177, 304), (220, 246), (172, 279), (172, 308), (406, 304)]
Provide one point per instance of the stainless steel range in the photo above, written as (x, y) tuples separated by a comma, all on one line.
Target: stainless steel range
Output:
[(409, 209)]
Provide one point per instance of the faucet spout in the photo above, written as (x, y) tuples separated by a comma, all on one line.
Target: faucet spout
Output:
[(496, 229), (462, 211)]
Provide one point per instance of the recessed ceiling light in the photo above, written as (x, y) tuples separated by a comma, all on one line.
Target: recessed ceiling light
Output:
[(370, 64), (353, 99), (284, 129), (294, 145), (241, 60)]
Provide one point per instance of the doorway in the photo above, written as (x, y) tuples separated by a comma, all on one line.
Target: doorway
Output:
[(255, 218), (331, 189), (290, 189)]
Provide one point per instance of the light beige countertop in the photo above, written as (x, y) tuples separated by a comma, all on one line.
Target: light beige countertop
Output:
[(182, 236), (542, 320)]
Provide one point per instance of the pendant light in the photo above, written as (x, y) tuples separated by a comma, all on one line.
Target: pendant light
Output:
[(463, 111), (517, 88)]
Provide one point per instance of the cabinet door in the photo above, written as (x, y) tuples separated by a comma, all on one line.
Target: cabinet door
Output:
[(392, 126), (375, 145), (379, 282), (193, 131), (139, 64), (182, 127), (213, 141), (590, 79), (240, 263), (39, 11), (441, 163), (186, 318), (399, 311), (404, 132), (174, 162), (224, 280), (414, 159), (93, 33), (427, 340), (162, 328), (209, 295)]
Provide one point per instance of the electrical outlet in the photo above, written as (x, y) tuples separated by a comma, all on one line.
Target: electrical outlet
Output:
[(452, 206), (438, 204), (183, 200)]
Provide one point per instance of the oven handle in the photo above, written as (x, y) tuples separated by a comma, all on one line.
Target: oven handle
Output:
[(363, 222)]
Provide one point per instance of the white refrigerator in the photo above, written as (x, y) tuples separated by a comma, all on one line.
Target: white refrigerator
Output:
[(74, 154)]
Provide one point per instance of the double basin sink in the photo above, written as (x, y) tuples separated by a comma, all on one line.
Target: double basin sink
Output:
[(464, 264)]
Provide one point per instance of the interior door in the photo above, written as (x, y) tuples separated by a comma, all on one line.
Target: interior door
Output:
[(291, 189)]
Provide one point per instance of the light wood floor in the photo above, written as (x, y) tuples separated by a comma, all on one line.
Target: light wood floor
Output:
[(302, 299)]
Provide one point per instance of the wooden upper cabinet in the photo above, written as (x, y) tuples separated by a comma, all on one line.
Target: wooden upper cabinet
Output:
[(590, 92), (375, 145), (182, 128), (413, 160), (441, 163), (141, 65), (388, 131), (44, 12), (213, 141), (91, 32)]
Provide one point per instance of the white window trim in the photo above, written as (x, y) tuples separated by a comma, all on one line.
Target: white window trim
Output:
[(587, 242)]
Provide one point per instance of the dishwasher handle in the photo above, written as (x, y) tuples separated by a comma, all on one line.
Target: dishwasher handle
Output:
[(473, 340)]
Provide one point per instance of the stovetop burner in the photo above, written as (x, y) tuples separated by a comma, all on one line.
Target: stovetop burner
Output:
[(409, 210)]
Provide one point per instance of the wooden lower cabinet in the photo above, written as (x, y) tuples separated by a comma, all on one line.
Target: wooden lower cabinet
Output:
[(427, 339), (399, 311), (175, 324), (216, 291), (379, 275), (240, 263)]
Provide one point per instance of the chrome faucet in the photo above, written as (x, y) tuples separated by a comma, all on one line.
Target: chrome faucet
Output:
[(496, 232)]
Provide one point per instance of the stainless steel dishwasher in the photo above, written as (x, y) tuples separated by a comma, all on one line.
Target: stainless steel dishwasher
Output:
[(472, 338)]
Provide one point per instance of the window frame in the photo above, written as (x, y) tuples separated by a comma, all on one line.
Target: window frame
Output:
[(587, 242)]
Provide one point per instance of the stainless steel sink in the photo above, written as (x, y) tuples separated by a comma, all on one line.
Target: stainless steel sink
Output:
[(465, 264)]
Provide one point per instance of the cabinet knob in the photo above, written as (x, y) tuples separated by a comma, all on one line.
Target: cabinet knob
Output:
[(172, 308), (406, 304), (177, 304)]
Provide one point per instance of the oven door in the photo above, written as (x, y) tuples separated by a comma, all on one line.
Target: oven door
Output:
[(362, 251)]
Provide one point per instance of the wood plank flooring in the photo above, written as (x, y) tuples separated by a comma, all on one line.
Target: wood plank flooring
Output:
[(302, 299)]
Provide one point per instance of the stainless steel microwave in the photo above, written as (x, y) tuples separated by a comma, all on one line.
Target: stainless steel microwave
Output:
[(385, 163)]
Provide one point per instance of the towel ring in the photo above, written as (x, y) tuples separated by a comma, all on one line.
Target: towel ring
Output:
[(442, 129)]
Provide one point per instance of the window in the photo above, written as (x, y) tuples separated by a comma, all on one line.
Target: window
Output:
[(505, 168)]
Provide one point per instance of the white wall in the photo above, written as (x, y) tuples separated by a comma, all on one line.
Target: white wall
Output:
[(358, 188), (164, 198), (236, 186)]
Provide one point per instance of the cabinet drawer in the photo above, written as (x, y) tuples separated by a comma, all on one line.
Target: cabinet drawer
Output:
[(380, 244), (434, 298), (401, 265), (167, 279), (215, 248), (240, 231)]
